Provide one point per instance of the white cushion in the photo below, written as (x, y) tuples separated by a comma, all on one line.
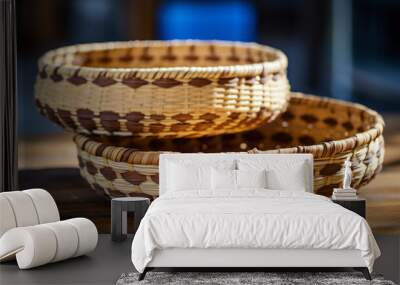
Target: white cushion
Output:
[(293, 180), (229, 161), (66, 237), (188, 177), (290, 175), (7, 218), (228, 180), (26, 208), (23, 208), (34, 244), (172, 168), (251, 178), (31, 246), (40, 244), (224, 179), (87, 233), (45, 205)]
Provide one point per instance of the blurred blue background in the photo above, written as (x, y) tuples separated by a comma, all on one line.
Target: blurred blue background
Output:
[(207, 20), (338, 48)]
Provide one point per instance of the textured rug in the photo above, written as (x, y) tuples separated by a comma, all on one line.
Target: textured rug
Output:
[(233, 278)]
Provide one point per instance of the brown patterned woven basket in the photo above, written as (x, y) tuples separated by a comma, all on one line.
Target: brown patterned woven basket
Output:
[(117, 171), (331, 130), (162, 89)]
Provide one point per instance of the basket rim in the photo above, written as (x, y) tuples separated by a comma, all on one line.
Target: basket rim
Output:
[(82, 141), (278, 64), (323, 149), (329, 148)]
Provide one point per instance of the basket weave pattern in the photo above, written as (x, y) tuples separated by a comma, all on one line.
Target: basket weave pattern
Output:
[(331, 130), (162, 89), (119, 173)]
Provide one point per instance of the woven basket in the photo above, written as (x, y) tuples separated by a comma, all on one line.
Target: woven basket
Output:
[(117, 171), (331, 130), (162, 89)]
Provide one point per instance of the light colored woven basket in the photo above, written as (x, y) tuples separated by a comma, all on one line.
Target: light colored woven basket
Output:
[(331, 130), (162, 89), (117, 171)]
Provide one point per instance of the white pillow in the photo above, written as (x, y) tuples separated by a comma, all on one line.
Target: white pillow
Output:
[(251, 178), (286, 174), (293, 180), (223, 179), (183, 177)]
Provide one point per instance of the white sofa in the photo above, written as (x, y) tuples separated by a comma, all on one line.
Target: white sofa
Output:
[(31, 231)]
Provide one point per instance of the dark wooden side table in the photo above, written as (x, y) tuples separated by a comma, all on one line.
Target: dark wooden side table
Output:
[(119, 209), (356, 205)]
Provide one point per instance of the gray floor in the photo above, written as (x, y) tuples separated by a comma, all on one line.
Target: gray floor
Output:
[(103, 266), (389, 263), (110, 260)]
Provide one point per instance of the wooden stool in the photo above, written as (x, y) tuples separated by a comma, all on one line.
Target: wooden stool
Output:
[(119, 209)]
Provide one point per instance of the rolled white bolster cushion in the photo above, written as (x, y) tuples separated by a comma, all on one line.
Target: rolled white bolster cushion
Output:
[(46, 243), (87, 235), (7, 218), (33, 246), (26, 208), (22, 207), (45, 205), (67, 240)]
